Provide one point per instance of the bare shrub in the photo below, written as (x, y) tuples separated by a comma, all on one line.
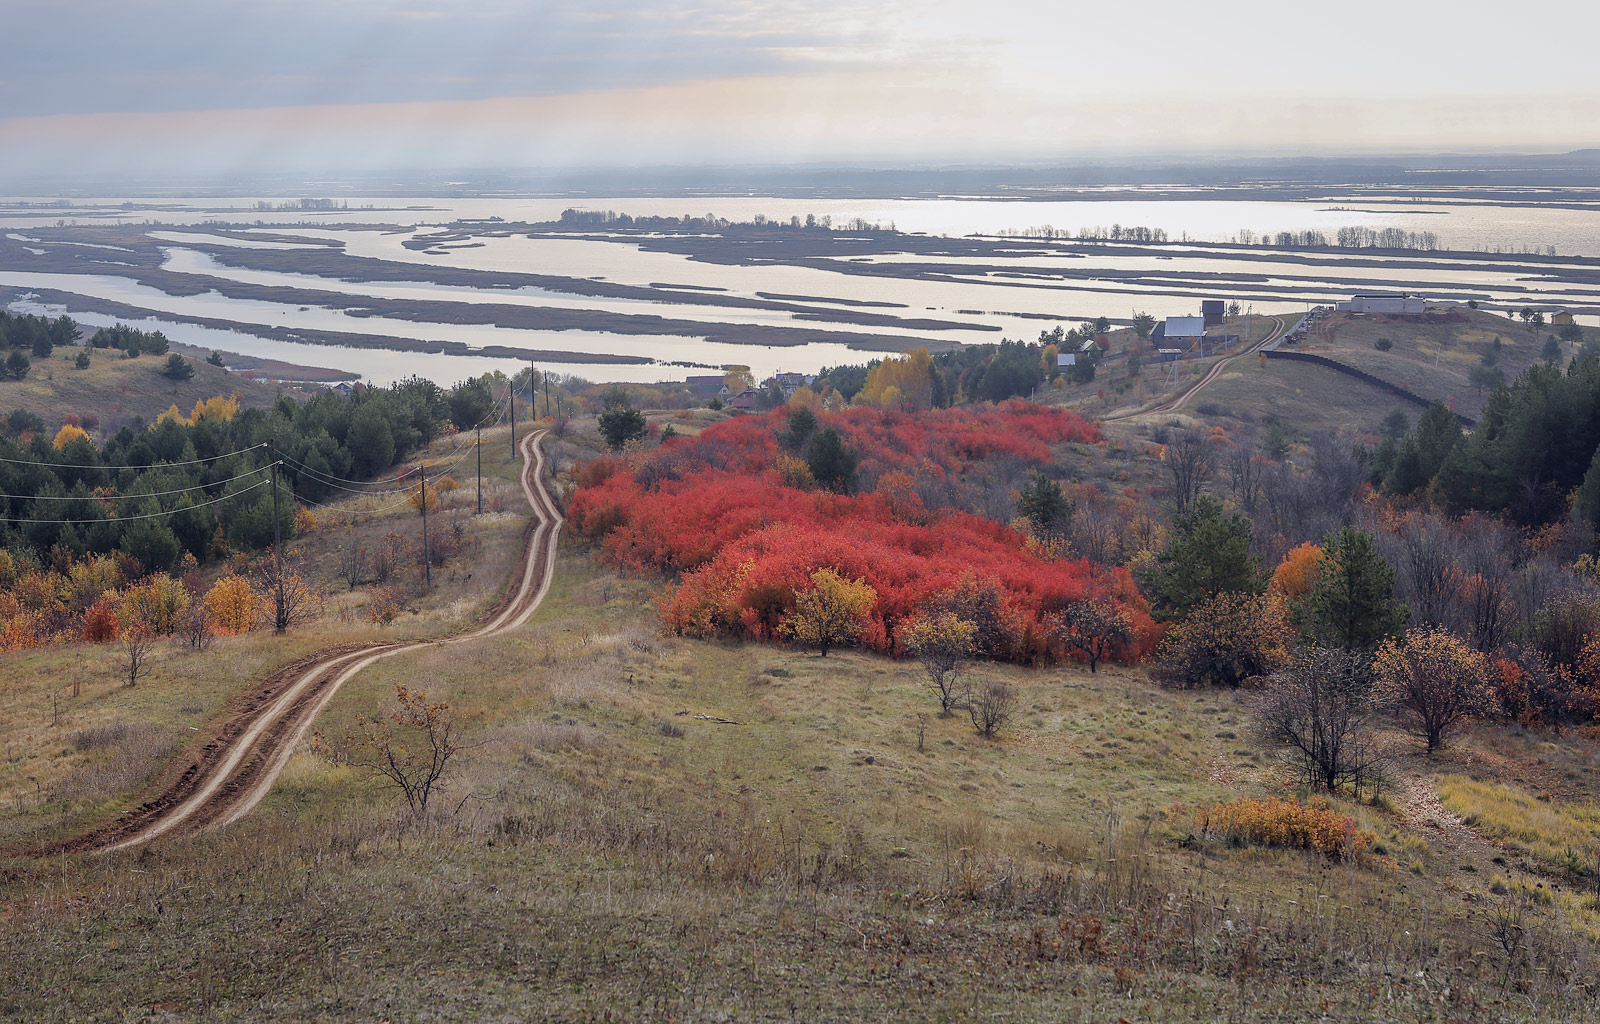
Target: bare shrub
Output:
[(126, 755), (411, 747), (138, 640), (990, 706), (197, 626), (98, 737), (558, 736), (669, 730)]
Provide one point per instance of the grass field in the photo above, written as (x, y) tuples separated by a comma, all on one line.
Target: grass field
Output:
[(115, 389), (833, 850)]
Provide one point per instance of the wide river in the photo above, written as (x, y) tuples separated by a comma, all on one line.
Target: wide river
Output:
[(1036, 290)]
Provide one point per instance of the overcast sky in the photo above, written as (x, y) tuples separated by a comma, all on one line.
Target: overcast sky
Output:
[(202, 87)]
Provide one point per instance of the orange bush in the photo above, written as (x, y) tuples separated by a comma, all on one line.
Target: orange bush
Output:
[(1297, 572), (234, 604), (1286, 823), (100, 620)]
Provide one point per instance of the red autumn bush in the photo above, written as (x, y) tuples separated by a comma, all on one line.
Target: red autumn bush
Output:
[(717, 510)]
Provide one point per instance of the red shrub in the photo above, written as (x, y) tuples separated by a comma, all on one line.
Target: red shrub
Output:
[(715, 510)]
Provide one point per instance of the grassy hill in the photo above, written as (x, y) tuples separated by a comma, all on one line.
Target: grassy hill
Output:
[(116, 390), (655, 828)]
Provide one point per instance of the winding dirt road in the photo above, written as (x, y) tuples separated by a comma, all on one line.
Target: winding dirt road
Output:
[(1215, 371), (230, 775)]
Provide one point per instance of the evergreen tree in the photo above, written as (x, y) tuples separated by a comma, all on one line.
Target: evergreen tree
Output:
[(1208, 554), (833, 465), (1045, 506), (1352, 603), (621, 424)]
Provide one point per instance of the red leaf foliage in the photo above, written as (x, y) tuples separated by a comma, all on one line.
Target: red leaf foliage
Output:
[(714, 510)]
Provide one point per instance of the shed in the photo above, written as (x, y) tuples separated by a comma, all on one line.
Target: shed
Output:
[(1211, 311), (1560, 318)]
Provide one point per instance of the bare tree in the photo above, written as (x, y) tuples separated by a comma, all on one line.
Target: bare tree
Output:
[(1188, 465), (1320, 714), (301, 602), (1245, 472), (1426, 579), (943, 644), (411, 747), (197, 627), (990, 706), (138, 639)]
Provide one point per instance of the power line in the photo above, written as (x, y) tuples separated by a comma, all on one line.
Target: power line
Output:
[(147, 515), (156, 465), (125, 497)]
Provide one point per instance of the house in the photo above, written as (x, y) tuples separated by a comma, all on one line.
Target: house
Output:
[(1409, 305), (745, 401), (1180, 331), (1211, 311), (1560, 318), (704, 386), (1067, 359), (789, 383), (344, 389)]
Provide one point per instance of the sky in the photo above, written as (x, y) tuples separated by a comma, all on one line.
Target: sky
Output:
[(203, 88)]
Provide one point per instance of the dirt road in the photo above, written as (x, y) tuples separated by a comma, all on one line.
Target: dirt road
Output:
[(230, 775), (1215, 371)]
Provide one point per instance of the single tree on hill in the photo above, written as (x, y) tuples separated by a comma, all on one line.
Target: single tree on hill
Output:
[(1046, 507), (17, 365), (831, 462), (1143, 324), (1319, 713), (620, 425), (177, 368)]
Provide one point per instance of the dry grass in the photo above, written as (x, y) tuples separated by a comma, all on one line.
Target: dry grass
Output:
[(1555, 834)]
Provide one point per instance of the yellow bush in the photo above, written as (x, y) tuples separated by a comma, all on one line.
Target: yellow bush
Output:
[(1286, 823)]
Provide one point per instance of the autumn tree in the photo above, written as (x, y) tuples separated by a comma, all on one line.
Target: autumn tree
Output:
[(410, 747), (1189, 465), (943, 643), (197, 627), (1432, 682), (1098, 629), (1352, 603), (831, 613), (1227, 640), (234, 604), (1319, 712), (293, 600), (1297, 573)]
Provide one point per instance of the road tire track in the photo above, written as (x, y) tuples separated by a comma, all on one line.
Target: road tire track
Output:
[(230, 775)]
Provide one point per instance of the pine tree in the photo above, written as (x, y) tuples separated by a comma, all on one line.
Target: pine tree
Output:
[(1208, 555), (1352, 604)]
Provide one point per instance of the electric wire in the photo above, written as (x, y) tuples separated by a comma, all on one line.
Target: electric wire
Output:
[(125, 497), (156, 465), (147, 515)]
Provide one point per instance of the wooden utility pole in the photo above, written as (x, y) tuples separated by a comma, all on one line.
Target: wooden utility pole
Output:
[(513, 422), (478, 448), (427, 561), (280, 618)]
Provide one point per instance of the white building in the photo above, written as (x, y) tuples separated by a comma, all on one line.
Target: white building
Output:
[(1410, 305)]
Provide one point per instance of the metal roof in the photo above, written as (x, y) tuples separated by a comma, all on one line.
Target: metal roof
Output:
[(1185, 326)]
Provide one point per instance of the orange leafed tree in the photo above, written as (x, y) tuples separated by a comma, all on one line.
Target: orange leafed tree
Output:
[(234, 603), (1433, 682), (1297, 573), (69, 433)]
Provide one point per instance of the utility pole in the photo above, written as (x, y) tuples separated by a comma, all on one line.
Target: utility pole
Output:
[(427, 560), (478, 448), (280, 618), (513, 422), (547, 395)]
